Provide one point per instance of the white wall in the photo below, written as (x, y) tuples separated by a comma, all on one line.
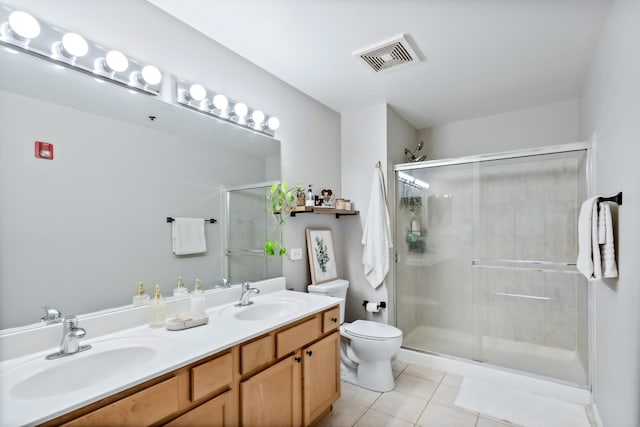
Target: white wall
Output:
[(610, 106), (371, 134), (535, 127), (309, 132), (364, 143)]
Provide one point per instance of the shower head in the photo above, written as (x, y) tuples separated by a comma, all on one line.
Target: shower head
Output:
[(412, 156)]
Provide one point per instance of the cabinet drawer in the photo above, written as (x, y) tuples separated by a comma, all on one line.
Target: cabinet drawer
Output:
[(257, 353), (143, 408), (215, 412), (331, 320), (211, 376), (297, 336)]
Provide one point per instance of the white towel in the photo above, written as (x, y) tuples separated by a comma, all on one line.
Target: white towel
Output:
[(608, 252), (188, 236), (588, 250), (376, 237)]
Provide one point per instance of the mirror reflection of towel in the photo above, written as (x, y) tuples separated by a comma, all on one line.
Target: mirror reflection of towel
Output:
[(188, 236)]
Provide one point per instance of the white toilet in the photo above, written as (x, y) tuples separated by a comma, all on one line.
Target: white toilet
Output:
[(366, 347)]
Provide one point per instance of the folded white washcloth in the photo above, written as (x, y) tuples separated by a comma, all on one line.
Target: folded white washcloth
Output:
[(608, 250), (188, 236)]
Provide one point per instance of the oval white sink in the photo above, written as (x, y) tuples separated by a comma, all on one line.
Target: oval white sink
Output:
[(108, 359), (268, 310), (265, 309), (78, 373)]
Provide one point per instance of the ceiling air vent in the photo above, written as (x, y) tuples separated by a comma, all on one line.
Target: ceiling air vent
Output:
[(389, 54)]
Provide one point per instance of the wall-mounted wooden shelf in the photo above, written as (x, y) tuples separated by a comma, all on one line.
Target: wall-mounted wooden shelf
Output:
[(320, 210)]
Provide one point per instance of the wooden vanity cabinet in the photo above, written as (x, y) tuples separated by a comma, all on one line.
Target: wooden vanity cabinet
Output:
[(289, 376), (302, 385)]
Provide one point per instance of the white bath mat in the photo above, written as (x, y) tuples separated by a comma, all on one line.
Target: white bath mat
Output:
[(519, 407)]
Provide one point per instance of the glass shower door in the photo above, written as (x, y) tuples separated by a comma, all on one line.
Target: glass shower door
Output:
[(433, 245), (486, 251), (530, 304), (247, 221)]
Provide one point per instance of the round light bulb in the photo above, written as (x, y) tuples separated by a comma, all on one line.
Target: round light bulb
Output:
[(257, 116), (24, 25), (241, 109), (220, 102), (151, 75), (273, 123), (117, 61), (74, 44), (197, 92)]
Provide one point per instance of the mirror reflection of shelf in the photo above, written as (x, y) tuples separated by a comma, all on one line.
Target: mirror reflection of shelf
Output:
[(323, 210)]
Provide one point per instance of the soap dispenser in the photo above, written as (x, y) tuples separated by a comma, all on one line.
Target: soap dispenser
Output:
[(142, 298), (157, 311), (197, 300), (180, 290)]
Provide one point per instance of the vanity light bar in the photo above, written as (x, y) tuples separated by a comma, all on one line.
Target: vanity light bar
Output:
[(197, 97), (20, 30)]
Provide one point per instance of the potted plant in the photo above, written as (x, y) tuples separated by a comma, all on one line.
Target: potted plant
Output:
[(283, 200)]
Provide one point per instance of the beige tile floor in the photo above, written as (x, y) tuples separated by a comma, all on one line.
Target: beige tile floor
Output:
[(422, 397)]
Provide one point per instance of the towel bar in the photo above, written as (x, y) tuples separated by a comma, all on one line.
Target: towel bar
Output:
[(617, 199), (210, 220)]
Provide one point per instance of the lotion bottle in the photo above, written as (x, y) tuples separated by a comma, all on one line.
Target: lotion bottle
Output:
[(142, 298), (197, 300), (180, 290), (157, 310)]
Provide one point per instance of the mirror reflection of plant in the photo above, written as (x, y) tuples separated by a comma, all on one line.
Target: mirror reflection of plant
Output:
[(283, 200)]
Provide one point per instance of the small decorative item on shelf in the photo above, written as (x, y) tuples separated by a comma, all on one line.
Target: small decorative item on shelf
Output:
[(343, 204), (327, 197)]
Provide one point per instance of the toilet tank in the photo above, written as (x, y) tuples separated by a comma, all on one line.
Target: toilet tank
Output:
[(335, 288)]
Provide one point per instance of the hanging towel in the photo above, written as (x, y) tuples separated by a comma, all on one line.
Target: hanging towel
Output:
[(608, 251), (188, 236), (588, 249), (376, 237)]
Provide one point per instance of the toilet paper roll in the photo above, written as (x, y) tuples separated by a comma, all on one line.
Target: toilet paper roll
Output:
[(372, 307)]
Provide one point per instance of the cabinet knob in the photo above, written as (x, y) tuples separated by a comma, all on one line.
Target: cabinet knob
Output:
[(298, 359), (309, 353), (334, 319)]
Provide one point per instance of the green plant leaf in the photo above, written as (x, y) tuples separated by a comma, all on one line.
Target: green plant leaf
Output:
[(274, 187), (269, 248), (283, 251), (284, 186)]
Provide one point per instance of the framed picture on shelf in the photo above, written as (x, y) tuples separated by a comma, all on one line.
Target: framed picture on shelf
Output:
[(322, 257)]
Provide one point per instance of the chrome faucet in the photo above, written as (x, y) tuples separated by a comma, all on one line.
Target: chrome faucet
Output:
[(224, 282), (71, 335), (51, 316), (247, 290)]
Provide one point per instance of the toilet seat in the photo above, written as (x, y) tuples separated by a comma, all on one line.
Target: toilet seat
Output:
[(371, 330)]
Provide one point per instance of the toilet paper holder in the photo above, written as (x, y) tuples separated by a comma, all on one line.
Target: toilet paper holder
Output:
[(382, 304)]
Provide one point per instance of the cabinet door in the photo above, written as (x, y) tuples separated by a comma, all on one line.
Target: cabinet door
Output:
[(321, 376), (272, 398), (215, 412)]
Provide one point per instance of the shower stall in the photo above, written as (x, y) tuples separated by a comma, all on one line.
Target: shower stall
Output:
[(486, 249)]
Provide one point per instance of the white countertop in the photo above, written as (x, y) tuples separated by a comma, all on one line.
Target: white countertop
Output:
[(174, 349)]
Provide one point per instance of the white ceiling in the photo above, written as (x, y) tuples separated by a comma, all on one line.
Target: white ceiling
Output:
[(481, 57)]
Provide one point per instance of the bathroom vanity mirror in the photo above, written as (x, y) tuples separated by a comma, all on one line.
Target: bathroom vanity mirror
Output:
[(81, 228)]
